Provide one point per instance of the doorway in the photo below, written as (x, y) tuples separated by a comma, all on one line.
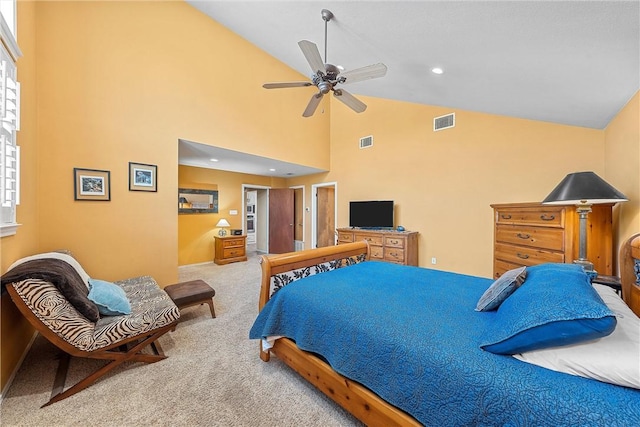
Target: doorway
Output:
[(273, 218), (324, 213), (255, 207)]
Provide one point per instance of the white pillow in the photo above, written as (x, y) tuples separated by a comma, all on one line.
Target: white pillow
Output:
[(57, 255), (612, 359)]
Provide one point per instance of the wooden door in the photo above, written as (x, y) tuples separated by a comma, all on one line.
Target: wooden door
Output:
[(281, 220), (325, 216), (298, 233)]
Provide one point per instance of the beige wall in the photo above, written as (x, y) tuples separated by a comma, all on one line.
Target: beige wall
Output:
[(622, 167)]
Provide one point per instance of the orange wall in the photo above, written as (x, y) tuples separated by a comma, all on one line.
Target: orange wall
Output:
[(622, 166), (196, 231), (443, 182), (115, 86), (15, 331), (122, 81)]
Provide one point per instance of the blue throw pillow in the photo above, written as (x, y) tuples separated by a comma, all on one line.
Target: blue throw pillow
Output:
[(109, 297), (500, 290), (555, 306)]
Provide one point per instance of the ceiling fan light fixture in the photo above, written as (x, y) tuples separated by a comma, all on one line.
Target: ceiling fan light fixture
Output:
[(327, 76)]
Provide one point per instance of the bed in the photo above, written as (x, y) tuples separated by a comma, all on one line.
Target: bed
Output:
[(401, 345)]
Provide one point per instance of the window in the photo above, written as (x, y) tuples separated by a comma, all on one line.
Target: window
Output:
[(9, 121)]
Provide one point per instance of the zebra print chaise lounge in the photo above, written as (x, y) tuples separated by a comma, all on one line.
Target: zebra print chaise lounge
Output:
[(52, 291)]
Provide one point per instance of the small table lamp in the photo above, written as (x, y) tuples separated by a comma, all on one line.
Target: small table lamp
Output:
[(583, 189), (182, 201), (221, 224)]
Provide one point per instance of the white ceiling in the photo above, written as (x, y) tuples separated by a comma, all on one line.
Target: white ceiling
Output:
[(192, 153), (569, 62)]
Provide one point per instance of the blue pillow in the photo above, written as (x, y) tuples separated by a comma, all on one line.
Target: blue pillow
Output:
[(109, 297), (500, 290), (555, 306)]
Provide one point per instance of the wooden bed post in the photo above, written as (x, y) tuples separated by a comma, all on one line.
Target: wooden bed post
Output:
[(629, 252)]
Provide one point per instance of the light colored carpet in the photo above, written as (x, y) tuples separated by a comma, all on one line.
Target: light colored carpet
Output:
[(212, 376)]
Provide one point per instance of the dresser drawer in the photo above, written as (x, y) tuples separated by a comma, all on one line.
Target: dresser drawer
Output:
[(525, 256), (372, 240), (377, 252), (233, 252), (393, 242), (543, 238), (345, 237), (394, 255), (547, 216), (229, 243)]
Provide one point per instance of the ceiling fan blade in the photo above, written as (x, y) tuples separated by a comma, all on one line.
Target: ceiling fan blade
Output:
[(349, 100), (286, 84), (365, 73), (313, 104), (311, 52)]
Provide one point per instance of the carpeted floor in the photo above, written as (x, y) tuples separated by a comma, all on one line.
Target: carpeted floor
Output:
[(212, 377)]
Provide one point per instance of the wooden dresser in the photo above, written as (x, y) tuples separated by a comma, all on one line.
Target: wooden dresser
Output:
[(230, 249), (533, 233), (400, 247)]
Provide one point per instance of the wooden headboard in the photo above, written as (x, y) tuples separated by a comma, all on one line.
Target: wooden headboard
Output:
[(629, 253)]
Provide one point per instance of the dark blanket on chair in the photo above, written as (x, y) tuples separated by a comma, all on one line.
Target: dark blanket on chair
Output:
[(62, 275)]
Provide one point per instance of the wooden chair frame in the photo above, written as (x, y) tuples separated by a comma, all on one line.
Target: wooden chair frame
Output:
[(126, 350)]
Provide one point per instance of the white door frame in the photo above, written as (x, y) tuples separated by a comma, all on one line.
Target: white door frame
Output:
[(244, 207), (314, 209)]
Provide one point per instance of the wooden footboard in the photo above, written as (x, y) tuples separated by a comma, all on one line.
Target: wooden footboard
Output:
[(352, 396)]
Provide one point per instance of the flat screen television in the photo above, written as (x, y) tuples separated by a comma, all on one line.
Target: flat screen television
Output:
[(371, 214)]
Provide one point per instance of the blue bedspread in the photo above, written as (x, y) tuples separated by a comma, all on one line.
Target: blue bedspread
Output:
[(412, 336)]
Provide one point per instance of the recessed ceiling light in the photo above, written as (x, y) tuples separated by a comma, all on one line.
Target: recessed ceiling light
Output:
[(213, 160), (272, 170), (437, 70)]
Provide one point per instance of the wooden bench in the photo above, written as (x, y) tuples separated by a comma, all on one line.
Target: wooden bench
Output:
[(193, 292)]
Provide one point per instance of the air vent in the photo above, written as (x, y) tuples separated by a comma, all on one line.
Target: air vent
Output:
[(366, 141), (444, 122)]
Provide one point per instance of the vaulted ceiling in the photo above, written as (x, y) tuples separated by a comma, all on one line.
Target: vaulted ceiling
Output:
[(569, 62)]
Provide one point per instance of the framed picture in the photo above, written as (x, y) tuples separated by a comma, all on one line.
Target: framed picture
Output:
[(91, 184), (143, 177)]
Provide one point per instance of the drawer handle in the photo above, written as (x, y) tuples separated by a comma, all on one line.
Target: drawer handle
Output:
[(523, 236), (523, 256), (505, 216), (544, 217)]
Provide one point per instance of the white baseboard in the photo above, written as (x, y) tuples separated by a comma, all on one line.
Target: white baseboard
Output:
[(15, 371), (192, 265)]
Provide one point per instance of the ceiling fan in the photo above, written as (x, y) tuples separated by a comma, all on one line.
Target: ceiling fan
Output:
[(327, 76)]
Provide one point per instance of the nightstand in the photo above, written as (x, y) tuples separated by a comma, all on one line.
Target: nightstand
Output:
[(230, 249)]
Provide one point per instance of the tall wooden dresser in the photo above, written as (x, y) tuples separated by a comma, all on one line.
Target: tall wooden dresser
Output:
[(400, 247), (533, 233)]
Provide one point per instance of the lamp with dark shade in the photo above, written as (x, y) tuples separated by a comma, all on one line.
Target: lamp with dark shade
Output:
[(583, 189), (182, 201)]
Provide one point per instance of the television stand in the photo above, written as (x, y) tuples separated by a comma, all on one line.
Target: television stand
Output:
[(400, 247)]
